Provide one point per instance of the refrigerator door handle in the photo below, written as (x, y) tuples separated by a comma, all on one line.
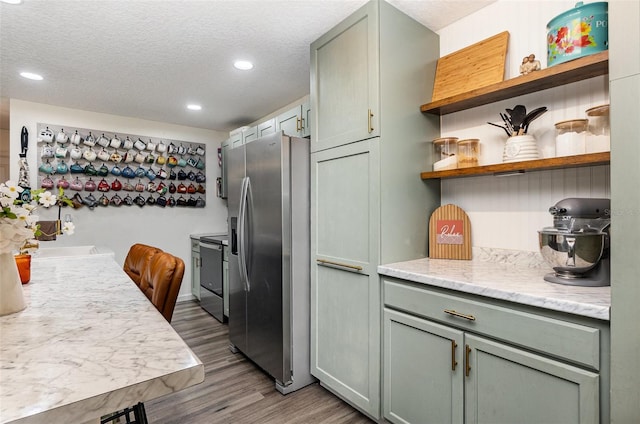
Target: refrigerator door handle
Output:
[(247, 206), (242, 264)]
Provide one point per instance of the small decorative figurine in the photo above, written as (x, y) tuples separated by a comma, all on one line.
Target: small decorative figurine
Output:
[(529, 64)]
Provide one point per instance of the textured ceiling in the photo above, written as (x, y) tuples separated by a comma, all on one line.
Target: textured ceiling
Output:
[(149, 58)]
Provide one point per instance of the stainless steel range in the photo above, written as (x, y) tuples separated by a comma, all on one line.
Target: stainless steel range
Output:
[(211, 287)]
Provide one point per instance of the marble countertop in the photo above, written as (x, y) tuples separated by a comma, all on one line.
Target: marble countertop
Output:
[(505, 281), (88, 343)]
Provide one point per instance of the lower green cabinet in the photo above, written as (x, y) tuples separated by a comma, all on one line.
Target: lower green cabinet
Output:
[(435, 373)]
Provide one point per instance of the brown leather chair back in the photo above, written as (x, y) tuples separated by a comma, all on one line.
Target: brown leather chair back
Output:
[(161, 282), (137, 260)]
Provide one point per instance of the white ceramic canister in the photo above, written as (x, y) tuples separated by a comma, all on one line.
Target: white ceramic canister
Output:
[(571, 137)]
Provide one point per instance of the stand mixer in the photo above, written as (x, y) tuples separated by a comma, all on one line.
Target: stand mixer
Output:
[(577, 246)]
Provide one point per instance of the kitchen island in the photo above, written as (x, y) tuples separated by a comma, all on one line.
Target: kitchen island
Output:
[(89, 343)]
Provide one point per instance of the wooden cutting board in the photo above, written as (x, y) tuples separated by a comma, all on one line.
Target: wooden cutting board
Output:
[(449, 233), (476, 66)]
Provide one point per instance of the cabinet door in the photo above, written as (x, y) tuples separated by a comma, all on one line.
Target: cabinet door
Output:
[(290, 122), (249, 135), (306, 119), (344, 81), (266, 127), (235, 140), (345, 291), (195, 273), (423, 371), (510, 385)]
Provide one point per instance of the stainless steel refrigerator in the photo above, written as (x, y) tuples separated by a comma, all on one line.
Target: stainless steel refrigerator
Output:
[(268, 200)]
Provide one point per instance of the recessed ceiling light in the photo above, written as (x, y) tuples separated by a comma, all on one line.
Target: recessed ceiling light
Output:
[(194, 107), (243, 65), (31, 76), (11, 1)]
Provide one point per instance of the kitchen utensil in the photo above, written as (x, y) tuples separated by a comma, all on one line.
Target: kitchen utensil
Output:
[(517, 115), (534, 114), (500, 126), (507, 122)]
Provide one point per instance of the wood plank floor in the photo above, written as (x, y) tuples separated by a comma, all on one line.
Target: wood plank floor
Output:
[(235, 390)]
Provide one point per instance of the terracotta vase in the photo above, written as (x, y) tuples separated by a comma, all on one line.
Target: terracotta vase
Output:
[(11, 296), (24, 267)]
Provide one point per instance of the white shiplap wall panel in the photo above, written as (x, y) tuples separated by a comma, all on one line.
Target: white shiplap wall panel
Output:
[(507, 212)]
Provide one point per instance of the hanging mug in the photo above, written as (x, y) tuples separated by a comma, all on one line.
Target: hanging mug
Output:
[(181, 201), (61, 152), (162, 201), (151, 146), (172, 161), (76, 153), (128, 200), (172, 174), (90, 170), (192, 161), (116, 200), (162, 174), (151, 174), (47, 152), (115, 142), (200, 177), (140, 157), (90, 185), (103, 186), (151, 187), (116, 171), (62, 137), (139, 144), (103, 155), (161, 160), (46, 168), (150, 158), (103, 201), (76, 185), (62, 167), (171, 201), (76, 168), (161, 147), (89, 140), (127, 186), (139, 200), (46, 135), (182, 162), (103, 141), (181, 149), (139, 187), (191, 150), (129, 156), (116, 185), (200, 151), (103, 171), (63, 183), (127, 143), (89, 155), (172, 148), (162, 188), (115, 157), (127, 172), (47, 182), (141, 172), (76, 138)]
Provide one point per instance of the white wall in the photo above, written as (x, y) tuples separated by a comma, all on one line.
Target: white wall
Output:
[(119, 228), (507, 212)]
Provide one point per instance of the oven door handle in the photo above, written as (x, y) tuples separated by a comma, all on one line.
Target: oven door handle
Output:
[(213, 246), (242, 258)]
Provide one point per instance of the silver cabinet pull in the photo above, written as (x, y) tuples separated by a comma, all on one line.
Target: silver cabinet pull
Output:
[(460, 315), (325, 262)]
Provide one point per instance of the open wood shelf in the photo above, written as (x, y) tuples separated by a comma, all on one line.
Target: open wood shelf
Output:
[(576, 70), (589, 159)]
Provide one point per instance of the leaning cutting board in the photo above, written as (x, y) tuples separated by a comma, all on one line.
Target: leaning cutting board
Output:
[(473, 67), (449, 233)]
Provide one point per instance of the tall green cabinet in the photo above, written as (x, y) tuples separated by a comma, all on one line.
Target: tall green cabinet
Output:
[(369, 142)]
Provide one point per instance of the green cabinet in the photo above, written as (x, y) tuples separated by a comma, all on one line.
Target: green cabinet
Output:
[(345, 323), (224, 149), (236, 139), (266, 127), (367, 206), (344, 81), (466, 367), (295, 121), (249, 134), (196, 263)]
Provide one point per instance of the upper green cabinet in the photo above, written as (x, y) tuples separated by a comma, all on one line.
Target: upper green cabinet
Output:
[(296, 121), (344, 81)]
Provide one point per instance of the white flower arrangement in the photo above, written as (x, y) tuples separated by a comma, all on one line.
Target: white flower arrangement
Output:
[(18, 224)]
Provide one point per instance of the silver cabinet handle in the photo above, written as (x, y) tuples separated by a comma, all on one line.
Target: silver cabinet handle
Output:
[(325, 262)]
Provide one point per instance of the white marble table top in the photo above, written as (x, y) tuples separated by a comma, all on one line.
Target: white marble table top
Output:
[(505, 281), (88, 343)]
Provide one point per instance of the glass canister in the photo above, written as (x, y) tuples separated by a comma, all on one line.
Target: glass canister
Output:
[(571, 137), (444, 153), (468, 152), (598, 135)]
